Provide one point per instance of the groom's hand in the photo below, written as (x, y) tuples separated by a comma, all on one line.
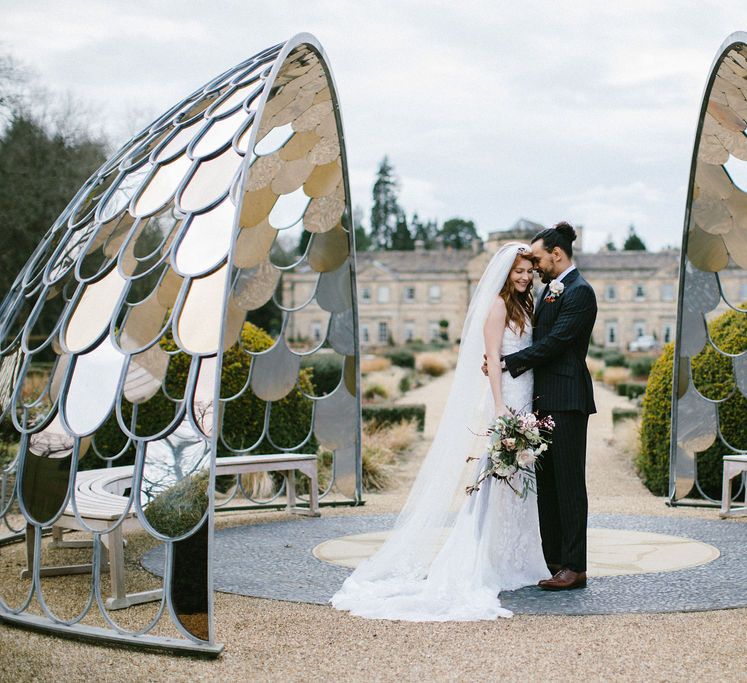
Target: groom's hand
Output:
[(484, 366)]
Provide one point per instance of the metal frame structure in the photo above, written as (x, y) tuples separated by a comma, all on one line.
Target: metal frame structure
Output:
[(714, 238), (140, 295)]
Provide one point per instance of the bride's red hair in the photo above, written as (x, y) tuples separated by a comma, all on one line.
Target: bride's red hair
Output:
[(519, 305)]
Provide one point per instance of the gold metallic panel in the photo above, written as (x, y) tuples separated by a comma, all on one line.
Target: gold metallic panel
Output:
[(706, 252), (144, 324), (93, 311), (263, 170), (298, 146), (253, 245), (324, 179), (256, 206), (328, 250), (323, 214), (350, 375), (291, 176), (255, 286), (218, 133)]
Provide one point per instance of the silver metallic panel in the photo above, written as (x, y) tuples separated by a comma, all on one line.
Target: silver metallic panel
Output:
[(275, 372)]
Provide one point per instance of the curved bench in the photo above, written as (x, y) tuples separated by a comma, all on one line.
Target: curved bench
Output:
[(100, 500), (734, 465)]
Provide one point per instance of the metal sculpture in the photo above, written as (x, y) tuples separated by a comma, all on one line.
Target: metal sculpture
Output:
[(138, 293), (715, 238)]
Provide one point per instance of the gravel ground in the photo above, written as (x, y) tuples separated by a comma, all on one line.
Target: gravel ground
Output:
[(272, 640)]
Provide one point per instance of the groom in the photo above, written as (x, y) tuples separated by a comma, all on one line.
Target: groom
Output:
[(563, 321)]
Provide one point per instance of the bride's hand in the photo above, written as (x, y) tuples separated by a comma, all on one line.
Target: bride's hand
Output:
[(500, 409)]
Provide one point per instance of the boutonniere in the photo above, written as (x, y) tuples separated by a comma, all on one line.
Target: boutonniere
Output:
[(556, 289)]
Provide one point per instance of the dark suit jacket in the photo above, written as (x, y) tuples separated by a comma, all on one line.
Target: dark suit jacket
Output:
[(562, 330)]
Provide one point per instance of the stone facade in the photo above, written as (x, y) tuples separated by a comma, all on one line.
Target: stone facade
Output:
[(405, 295)]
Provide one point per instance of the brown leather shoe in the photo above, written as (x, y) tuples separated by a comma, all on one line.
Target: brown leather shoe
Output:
[(564, 580)]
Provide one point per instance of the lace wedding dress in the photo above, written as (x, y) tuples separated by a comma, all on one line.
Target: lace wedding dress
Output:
[(493, 545)]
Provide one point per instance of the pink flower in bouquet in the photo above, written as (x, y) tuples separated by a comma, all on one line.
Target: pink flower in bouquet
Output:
[(509, 443), (526, 457)]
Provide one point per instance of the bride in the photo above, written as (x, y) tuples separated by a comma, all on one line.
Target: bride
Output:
[(449, 554)]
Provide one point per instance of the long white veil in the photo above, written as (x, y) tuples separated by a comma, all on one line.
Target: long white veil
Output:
[(438, 490)]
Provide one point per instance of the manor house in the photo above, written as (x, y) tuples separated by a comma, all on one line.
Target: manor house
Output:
[(421, 294)]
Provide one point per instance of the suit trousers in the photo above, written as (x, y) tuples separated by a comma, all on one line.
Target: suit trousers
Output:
[(561, 491)]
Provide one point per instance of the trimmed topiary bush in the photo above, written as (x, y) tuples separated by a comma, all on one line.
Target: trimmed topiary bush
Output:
[(386, 415), (402, 358), (713, 376), (631, 389)]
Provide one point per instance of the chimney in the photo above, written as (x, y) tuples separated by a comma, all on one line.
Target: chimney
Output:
[(419, 245)]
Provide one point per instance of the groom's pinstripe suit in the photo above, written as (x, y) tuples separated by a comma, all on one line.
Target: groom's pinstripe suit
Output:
[(563, 389)]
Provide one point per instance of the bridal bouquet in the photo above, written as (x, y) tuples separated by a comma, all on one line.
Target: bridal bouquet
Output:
[(515, 442)]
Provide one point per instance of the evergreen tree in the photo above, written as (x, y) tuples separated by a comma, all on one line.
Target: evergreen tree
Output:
[(362, 238), (458, 233), (39, 174), (402, 238), (385, 210), (633, 242)]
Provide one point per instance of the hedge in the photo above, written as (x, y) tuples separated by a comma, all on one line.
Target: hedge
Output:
[(243, 418), (713, 377), (386, 415), (620, 414), (641, 367), (614, 359)]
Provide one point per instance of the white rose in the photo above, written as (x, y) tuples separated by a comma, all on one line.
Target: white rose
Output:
[(530, 420), (509, 443), (526, 457), (542, 448), (557, 287)]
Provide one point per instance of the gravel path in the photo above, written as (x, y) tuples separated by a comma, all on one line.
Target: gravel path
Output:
[(271, 640)]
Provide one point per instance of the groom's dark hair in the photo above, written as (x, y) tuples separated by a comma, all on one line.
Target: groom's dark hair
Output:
[(560, 235)]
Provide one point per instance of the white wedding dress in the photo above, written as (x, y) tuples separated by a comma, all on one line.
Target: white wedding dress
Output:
[(493, 545)]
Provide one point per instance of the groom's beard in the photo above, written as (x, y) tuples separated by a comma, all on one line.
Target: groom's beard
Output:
[(545, 277)]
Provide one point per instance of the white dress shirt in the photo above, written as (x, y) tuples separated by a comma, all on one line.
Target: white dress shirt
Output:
[(565, 272)]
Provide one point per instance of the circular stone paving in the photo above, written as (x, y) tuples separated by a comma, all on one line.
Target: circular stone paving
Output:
[(637, 564)]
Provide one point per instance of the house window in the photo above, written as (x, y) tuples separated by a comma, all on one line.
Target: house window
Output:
[(610, 333), (409, 330), (434, 293), (667, 332), (667, 292), (433, 330), (639, 328), (409, 293), (383, 332), (382, 294), (639, 293), (610, 293), (366, 295), (365, 336), (316, 330)]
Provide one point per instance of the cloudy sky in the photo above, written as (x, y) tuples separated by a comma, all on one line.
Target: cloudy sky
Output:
[(584, 111)]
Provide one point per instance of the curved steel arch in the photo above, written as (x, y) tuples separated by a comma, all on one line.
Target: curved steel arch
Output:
[(138, 294), (714, 239)]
